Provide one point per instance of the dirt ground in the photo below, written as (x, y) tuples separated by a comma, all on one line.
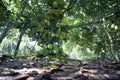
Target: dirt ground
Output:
[(43, 69)]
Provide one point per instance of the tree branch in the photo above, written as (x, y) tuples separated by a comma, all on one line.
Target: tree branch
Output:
[(10, 23), (70, 6), (99, 21), (91, 23)]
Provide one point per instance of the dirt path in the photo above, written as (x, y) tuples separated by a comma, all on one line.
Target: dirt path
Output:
[(39, 69)]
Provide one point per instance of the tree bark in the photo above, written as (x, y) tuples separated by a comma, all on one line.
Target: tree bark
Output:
[(18, 45), (3, 34)]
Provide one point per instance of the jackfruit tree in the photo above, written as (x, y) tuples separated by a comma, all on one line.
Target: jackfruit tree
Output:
[(92, 24)]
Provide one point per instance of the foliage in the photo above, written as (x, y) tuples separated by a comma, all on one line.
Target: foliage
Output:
[(91, 24)]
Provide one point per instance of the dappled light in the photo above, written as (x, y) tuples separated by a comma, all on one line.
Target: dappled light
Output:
[(59, 40)]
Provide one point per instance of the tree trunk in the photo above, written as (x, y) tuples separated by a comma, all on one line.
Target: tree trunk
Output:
[(3, 34), (111, 50), (18, 44)]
